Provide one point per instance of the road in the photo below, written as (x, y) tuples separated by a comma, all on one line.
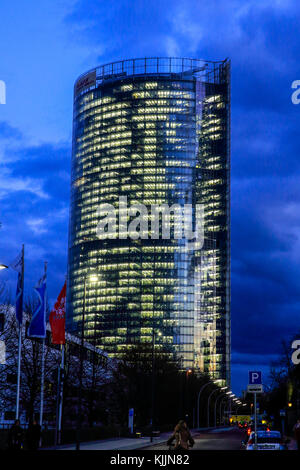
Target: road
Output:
[(219, 439)]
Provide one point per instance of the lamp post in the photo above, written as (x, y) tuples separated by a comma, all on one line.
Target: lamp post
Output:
[(153, 382), (208, 401), (221, 395), (198, 401), (79, 418), (93, 278), (19, 315), (188, 372), (229, 403), (221, 403)]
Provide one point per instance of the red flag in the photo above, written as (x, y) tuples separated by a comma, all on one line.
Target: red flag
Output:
[(57, 318)]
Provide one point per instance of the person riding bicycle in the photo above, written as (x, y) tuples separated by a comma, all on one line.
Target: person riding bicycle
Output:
[(182, 435)]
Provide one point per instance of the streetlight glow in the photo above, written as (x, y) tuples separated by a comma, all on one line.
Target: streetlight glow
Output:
[(3, 266)]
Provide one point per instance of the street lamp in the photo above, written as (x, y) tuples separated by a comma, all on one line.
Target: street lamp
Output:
[(3, 266), (221, 395), (229, 403), (221, 403), (93, 278), (198, 401), (208, 401), (153, 381), (188, 373)]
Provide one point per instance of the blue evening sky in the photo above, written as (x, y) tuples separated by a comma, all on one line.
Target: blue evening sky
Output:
[(46, 45)]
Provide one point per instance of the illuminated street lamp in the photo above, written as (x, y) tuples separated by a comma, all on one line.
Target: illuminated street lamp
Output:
[(3, 266), (198, 399), (216, 401), (208, 401), (91, 278), (154, 333), (225, 397)]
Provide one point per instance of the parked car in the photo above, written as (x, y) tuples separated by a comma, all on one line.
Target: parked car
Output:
[(266, 440), (260, 427)]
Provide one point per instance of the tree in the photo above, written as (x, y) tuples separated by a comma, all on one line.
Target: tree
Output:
[(95, 384), (284, 387), (132, 385), (96, 375), (31, 357)]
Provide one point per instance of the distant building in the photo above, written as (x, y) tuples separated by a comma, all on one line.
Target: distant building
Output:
[(156, 131)]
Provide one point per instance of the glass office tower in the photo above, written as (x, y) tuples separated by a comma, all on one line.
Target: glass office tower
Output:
[(156, 131)]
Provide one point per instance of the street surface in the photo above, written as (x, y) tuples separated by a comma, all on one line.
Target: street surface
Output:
[(216, 439), (226, 438)]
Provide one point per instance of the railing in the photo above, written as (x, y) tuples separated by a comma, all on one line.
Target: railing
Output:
[(157, 65)]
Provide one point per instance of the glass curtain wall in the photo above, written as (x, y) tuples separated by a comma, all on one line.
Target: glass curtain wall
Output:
[(155, 133)]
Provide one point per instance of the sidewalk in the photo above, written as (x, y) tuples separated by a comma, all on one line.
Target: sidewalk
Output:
[(123, 443), (292, 445)]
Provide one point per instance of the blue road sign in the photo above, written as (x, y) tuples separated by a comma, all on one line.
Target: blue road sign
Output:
[(255, 377)]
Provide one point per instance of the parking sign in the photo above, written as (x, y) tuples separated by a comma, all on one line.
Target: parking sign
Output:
[(255, 377)]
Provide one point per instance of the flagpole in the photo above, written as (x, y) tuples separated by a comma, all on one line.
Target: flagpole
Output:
[(43, 368), (20, 343), (57, 323), (61, 393), (42, 383), (19, 371)]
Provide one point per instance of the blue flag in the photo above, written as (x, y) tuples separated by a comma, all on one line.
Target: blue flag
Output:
[(18, 265), (37, 327)]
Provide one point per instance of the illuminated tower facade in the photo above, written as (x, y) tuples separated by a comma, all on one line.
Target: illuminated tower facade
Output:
[(153, 131)]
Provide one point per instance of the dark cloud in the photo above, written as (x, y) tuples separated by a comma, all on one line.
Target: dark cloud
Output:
[(51, 163)]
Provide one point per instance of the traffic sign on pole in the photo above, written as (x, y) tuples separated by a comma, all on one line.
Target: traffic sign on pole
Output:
[(255, 377), (130, 419), (255, 386)]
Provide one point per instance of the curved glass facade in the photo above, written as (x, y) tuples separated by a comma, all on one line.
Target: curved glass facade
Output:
[(155, 131)]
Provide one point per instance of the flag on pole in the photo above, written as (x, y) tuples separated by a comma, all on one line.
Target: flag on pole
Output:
[(18, 265), (57, 318), (37, 327)]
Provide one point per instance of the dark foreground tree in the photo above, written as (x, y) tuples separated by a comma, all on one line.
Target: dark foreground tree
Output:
[(175, 392)]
